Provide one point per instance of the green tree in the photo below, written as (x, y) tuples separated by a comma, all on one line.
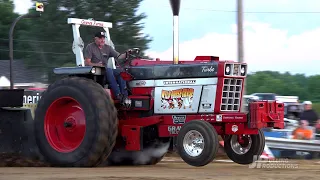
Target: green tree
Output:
[(52, 36), (7, 17)]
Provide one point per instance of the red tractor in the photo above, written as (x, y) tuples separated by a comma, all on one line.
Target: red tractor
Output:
[(79, 123)]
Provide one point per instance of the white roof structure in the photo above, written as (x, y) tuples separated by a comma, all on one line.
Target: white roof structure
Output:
[(4, 82), (78, 44)]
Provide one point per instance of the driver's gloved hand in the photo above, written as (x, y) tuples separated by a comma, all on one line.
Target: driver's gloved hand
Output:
[(129, 51)]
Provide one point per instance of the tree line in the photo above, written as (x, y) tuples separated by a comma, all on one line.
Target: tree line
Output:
[(285, 84)]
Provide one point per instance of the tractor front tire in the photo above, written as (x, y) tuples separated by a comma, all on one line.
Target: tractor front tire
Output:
[(76, 123), (194, 134), (253, 147)]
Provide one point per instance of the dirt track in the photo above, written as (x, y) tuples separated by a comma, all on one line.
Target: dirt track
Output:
[(166, 170)]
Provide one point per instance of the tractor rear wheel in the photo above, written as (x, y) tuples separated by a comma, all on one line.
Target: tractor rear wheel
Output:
[(197, 143), (244, 149), (76, 123)]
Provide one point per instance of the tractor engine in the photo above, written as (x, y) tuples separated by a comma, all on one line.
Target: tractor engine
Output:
[(188, 88)]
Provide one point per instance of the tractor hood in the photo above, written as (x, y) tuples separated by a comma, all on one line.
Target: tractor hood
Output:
[(167, 71)]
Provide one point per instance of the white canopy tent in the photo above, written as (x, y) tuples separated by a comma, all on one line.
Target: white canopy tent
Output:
[(4, 82)]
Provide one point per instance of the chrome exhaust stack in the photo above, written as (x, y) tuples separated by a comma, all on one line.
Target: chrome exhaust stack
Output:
[(175, 6)]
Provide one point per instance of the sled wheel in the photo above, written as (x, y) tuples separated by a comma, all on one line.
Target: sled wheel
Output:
[(76, 123), (244, 149), (152, 154), (197, 143)]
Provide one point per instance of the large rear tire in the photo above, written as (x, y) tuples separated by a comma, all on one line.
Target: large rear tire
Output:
[(248, 150), (194, 134), (76, 123)]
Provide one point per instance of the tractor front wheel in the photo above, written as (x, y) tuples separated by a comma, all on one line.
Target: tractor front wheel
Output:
[(197, 143), (76, 123), (244, 149)]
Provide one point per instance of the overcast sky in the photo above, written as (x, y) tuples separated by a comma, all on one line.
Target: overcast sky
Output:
[(273, 41)]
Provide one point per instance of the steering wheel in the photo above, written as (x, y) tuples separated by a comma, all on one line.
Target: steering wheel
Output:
[(131, 55)]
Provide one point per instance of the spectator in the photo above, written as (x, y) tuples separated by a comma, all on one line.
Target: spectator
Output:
[(303, 131), (309, 114), (318, 127)]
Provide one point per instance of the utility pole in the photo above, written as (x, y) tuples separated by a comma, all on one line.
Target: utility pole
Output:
[(240, 42)]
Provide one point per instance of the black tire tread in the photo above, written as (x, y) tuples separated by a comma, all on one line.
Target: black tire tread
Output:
[(258, 143), (263, 142), (210, 131), (104, 109)]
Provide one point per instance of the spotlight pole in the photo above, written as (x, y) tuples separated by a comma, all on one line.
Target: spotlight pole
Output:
[(39, 8)]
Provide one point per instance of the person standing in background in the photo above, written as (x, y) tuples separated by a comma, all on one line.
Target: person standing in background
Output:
[(309, 114)]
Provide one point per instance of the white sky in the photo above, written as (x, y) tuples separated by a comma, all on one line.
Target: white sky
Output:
[(22, 6), (266, 48)]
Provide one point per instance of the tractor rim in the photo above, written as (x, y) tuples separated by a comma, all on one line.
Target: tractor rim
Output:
[(65, 125), (193, 143), (241, 144)]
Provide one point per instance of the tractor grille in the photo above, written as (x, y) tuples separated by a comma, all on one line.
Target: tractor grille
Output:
[(231, 94)]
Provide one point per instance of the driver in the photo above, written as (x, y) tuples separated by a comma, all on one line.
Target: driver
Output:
[(97, 53)]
